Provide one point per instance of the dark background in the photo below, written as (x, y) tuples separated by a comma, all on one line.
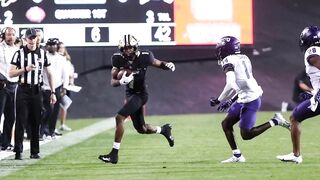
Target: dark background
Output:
[(277, 26), (134, 13)]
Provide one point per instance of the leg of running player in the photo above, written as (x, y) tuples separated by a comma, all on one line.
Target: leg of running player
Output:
[(230, 120)]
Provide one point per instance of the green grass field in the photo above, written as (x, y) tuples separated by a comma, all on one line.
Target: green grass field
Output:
[(200, 146)]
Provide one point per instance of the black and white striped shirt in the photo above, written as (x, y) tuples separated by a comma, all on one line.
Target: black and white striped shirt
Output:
[(24, 57)]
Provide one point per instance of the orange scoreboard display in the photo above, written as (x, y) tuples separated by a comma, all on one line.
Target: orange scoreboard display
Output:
[(205, 21)]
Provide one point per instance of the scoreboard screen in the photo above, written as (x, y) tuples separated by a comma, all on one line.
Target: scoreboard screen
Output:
[(153, 22)]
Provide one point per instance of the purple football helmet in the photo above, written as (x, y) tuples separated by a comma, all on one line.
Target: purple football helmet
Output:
[(226, 46), (310, 36)]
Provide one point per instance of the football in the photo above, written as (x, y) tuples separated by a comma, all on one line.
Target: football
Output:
[(120, 73)]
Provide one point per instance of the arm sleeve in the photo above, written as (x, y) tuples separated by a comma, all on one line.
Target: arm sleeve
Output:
[(230, 87)]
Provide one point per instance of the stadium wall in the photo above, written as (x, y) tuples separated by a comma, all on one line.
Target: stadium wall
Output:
[(275, 56)]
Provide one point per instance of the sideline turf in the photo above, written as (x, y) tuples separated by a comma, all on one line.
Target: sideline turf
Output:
[(200, 146)]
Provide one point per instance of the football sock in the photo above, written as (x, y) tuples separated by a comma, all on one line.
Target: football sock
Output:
[(158, 129), (236, 152), (273, 122), (116, 145), (237, 155)]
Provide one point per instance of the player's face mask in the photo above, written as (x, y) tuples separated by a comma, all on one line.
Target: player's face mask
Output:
[(129, 52)]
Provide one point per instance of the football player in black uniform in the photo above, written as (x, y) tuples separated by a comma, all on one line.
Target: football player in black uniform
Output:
[(136, 61)]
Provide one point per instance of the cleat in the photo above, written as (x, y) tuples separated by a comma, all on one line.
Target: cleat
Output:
[(65, 128), (34, 156), (57, 132), (7, 148), (281, 121), (18, 156), (235, 159), (166, 131), (290, 158), (109, 159)]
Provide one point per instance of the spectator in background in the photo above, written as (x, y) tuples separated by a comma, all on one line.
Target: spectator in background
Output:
[(7, 85), (61, 81), (302, 84), (18, 43), (40, 38), (62, 50), (301, 90)]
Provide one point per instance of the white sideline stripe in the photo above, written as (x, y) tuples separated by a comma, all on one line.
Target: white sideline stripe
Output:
[(26, 146), (8, 165)]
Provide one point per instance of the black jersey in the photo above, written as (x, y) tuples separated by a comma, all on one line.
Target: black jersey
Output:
[(138, 66)]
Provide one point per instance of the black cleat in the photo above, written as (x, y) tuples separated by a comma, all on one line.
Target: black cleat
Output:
[(109, 158), (34, 156), (18, 156), (166, 131)]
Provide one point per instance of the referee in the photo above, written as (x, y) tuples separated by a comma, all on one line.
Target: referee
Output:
[(28, 64)]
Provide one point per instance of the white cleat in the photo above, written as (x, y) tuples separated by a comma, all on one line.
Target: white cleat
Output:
[(290, 158), (234, 159), (281, 121), (65, 128)]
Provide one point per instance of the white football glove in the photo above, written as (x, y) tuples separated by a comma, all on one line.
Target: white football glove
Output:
[(126, 79), (171, 66)]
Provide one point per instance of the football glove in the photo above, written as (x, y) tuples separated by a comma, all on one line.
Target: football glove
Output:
[(224, 106), (305, 96), (214, 101), (126, 79), (171, 66)]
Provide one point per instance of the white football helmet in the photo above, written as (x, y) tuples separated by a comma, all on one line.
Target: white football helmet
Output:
[(128, 40)]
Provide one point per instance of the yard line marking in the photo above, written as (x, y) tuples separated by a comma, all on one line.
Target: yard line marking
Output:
[(8, 165)]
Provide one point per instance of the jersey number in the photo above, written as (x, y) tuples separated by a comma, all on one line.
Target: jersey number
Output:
[(246, 69)]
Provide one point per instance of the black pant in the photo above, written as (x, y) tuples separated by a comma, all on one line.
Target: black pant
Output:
[(51, 113), (28, 111), (7, 108), (134, 109)]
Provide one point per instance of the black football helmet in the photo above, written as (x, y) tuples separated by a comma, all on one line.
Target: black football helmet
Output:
[(310, 36), (226, 46), (52, 41), (128, 41)]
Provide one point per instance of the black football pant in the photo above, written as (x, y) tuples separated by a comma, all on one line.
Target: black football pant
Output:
[(51, 112), (28, 111), (134, 109), (7, 108)]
